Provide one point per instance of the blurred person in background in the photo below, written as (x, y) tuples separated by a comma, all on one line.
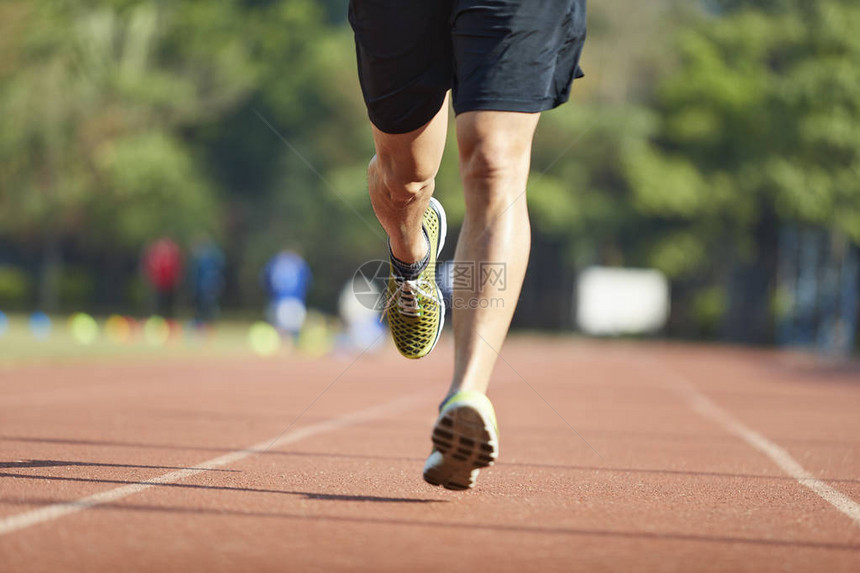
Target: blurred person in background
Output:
[(162, 267), (505, 62), (286, 279), (207, 279)]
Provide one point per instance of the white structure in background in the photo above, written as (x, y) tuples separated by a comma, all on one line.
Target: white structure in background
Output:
[(613, 301), (358, 305)]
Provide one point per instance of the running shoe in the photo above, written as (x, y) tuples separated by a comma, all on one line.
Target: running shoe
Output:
[(465, 439), (415, 307)]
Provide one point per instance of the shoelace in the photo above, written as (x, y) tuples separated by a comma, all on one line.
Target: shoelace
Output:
[(405, 296)]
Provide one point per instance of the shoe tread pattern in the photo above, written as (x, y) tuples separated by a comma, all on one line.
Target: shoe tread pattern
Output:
[(466, 442)]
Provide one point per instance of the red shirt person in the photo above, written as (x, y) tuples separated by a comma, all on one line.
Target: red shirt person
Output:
[(162, 265)]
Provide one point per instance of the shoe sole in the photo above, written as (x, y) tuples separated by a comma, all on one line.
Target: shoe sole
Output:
[(467, 442)]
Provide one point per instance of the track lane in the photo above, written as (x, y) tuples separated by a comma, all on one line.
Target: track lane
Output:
[(671, 490)]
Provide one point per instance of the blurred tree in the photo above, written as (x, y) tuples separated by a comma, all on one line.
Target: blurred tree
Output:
[(288, 158), (760, 125), (129, 119), (95, 107), (726, 6)]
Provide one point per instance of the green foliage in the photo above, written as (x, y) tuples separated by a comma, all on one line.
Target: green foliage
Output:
[(15, 287), (96, 104), (758, 127), (679, 255), (76, 287), (763, 114), (728, 6), (578, 193), (154, 188), (553, 204), (125, 120), (707, 309)]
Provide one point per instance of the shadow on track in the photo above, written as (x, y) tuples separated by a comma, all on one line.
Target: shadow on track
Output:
[(227, 449), (524, 529), (306, 495), (59, 463), (610, 469)]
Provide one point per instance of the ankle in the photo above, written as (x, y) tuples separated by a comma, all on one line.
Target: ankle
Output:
[(411, 269), (412, 252)]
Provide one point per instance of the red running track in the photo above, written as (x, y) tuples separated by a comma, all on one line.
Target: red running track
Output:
[(614, 457)]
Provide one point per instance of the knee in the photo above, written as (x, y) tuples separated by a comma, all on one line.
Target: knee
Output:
[(493, 168), (402, 181), (486, 160)]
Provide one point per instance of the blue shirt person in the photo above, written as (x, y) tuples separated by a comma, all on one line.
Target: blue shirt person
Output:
[(207, 279), (286, 278)]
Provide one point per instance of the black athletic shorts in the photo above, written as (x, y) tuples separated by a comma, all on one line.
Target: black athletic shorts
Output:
[(505, 55)]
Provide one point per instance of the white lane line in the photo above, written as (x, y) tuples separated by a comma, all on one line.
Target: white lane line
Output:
[(58, 510), (707, 408)]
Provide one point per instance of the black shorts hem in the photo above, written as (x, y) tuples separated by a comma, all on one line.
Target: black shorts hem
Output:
[(415, 121), (515, 105)]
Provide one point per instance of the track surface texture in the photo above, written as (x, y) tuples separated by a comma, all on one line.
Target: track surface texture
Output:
[(614, 457)]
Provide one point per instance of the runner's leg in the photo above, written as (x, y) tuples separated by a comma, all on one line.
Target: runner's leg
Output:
[(401, 178), (495, 153)]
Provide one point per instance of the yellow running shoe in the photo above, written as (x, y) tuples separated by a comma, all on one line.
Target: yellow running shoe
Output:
[(415, 307), (465, 439)]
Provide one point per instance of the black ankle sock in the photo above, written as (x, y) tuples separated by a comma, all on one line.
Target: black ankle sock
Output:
[(410, 271)]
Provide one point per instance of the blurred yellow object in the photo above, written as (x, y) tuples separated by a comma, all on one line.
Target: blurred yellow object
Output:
[(118, 329), (316, 339), (83, 328), (264, 339), (156, 331)]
